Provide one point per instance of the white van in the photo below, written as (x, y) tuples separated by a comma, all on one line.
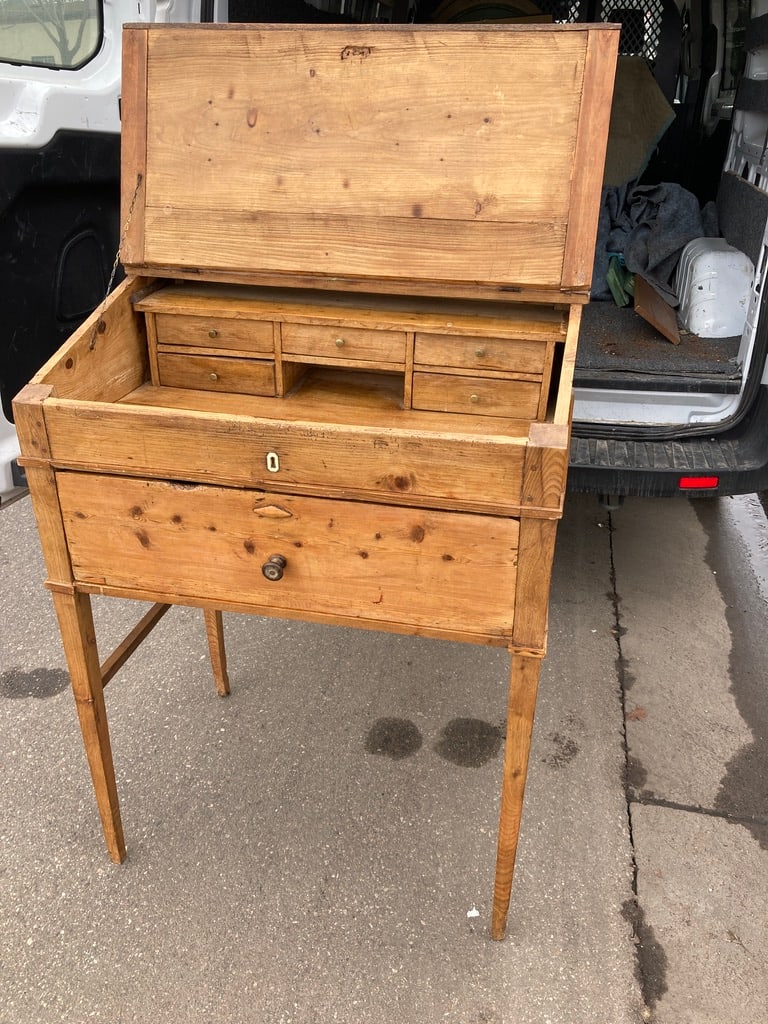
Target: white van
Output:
[(671, 385)]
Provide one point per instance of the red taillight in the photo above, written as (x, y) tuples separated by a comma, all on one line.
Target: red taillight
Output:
[(698, 483)]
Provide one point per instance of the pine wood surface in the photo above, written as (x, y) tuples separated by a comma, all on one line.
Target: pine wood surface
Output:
[(343, 341), (449, 470), (106, 357), (450, 570), (448, 392), (216, 373), (506, 320), (416, 184), (523, 689), (215, 332), (480, 353)]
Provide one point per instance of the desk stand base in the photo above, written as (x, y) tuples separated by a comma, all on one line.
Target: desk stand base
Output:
[(89, 678)]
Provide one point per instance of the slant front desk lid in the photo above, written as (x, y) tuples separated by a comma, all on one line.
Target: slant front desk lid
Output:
[(439, 160)]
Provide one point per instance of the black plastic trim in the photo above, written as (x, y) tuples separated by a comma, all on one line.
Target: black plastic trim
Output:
[(647, 468), (610, 380)]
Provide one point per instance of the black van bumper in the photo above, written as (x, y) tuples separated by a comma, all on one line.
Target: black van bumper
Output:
[(736, 459)]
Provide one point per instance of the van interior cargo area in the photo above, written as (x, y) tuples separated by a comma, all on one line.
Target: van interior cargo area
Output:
[(619, 350)]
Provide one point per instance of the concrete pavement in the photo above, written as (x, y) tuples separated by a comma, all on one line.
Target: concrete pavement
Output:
[(319, 846)]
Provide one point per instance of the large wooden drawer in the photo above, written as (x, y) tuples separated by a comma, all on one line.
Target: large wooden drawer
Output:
[(448, 572)]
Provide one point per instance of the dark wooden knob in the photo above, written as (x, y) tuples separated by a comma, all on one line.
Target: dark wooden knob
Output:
[(273, 567)]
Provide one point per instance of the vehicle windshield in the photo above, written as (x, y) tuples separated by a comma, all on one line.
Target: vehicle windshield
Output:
[(50, 33)]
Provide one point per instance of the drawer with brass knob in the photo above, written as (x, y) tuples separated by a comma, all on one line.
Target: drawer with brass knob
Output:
[(216, 373), (483, 396), (215, 332), (450, 574), (332, 343), (518, 356)]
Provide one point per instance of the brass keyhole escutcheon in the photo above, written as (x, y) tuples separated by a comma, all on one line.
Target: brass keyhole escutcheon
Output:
[(273, 567)]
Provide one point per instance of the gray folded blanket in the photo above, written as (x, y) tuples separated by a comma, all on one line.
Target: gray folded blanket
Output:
[(649, 225)]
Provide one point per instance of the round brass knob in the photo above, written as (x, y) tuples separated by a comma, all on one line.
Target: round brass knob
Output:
[(479, 352), (213, 333), (213, 376), (273, 567), (339, 343), (474, 398)]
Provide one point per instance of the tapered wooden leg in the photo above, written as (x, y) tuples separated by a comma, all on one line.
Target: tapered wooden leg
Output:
[(523, 686), (214, 627), (79, 638)]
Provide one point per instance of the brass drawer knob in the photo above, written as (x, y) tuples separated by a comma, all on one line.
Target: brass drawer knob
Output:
[(474, 399), (479, 352), (213, 376), (273, 567), (213, 333), (339, 343)]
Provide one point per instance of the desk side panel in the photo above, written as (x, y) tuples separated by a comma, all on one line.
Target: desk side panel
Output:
[(106, 358)]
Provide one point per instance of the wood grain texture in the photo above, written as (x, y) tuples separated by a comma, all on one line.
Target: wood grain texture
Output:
[(29, 416), (392, 464), (536, 553), (449, 316), (215, 332), (546, 467), (342, 341), (480, 396), (372, 562), (564, 396), (353, 284), (133, 144), (442, 150), (107, 356), (523, 688), (462, 163), (112, 665), (216, 373), (214, 628), (79, 640), (589, 158), (480, 353)]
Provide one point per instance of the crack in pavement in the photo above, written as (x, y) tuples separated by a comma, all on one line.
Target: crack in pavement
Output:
[(651, 962)]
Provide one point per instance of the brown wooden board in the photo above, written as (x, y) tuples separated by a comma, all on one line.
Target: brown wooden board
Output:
[(367, 154), (419, 568)]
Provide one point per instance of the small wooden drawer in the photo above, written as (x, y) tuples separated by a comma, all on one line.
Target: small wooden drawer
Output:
[(483, 396), (216, 373), (320, 342), (512, 356), (215, 332), (445, 572)]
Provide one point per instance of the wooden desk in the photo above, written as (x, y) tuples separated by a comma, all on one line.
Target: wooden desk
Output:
[(362, 425)]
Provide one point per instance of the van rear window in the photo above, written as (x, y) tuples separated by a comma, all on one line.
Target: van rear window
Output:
[(61, 34)]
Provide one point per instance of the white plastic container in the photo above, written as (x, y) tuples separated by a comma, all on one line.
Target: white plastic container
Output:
[(714, 283)]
